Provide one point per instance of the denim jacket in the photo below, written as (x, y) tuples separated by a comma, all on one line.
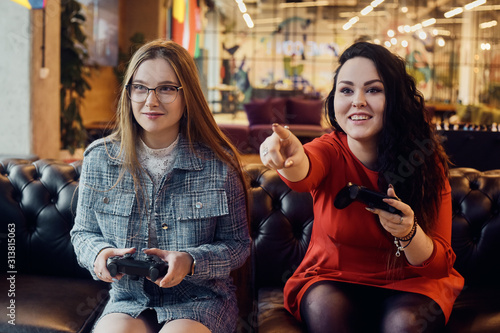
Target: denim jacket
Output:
[(199, 208)]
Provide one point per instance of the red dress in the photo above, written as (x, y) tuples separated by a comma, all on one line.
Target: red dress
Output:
[(350, 245)]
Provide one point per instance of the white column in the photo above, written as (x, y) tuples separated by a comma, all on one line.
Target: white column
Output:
[(15, 70), (468, 48)]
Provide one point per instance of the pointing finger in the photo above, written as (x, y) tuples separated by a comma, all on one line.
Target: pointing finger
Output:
[(283, 132)]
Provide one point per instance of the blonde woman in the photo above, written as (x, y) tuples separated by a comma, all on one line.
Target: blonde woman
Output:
[(166, 183)]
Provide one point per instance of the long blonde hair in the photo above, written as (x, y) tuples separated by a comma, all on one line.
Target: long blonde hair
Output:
[(197, 124)]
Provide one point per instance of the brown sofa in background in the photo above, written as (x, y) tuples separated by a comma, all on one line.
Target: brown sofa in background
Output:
[(303, 116)]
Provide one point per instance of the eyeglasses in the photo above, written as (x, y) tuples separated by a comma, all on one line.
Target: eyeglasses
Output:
[(165, 93)]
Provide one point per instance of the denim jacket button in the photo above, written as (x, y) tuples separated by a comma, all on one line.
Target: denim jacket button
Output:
[(199, 205), (164, 226), (105, 200)]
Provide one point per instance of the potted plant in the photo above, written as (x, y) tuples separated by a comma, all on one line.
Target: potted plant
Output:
[(74, 74)]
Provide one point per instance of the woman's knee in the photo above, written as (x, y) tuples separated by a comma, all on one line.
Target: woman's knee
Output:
[(326, 306), (122, 323), (184, 326), (412, 314)]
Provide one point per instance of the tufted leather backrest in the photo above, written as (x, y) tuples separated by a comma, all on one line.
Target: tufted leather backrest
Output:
[(281, 224), (476, 224), (38, 200)]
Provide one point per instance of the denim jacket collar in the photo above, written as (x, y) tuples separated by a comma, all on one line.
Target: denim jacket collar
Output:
[(186, 159)]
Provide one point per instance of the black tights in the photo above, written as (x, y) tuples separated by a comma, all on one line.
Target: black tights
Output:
[(337, 307)]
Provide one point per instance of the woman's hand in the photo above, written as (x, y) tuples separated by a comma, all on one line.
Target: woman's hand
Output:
[(179, 265), (283, 151), (418, 249), (397, 225), (100, 264)]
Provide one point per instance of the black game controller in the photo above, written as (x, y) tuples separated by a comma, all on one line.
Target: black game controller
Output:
[(362, 194), (152, 267)]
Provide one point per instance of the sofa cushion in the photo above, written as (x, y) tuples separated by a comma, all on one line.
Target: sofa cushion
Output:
[(476, 224), (476, 310), (46, 304), (280, 228), (308, 132), (304, 111), (39, 199), (265, 111), (238, 135), (271, 313)]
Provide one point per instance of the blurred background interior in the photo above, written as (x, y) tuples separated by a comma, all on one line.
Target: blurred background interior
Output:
[(62, 60)]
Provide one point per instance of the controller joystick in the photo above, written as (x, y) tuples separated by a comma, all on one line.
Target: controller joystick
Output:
[(152, 267), (372, 199)]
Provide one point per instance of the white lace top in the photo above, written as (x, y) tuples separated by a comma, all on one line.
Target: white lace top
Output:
[(157, 162)]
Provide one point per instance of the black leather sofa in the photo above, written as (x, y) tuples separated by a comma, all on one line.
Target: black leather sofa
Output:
[(51, 293), (281, 223), (42, 287)]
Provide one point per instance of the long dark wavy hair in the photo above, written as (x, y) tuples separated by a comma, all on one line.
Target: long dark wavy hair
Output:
[(409, 153)]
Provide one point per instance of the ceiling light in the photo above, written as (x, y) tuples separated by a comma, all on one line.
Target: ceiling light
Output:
[(354, 20), (242, 7), (304, 4), (416, 27), (404, 43), (485, 46), (489, 24), (375, 3), (351, 22), (422, 35), (347, 26), (442, 32), (390, 33), (474, 4), (366, 10), (440, 41), (453, 12), (404, 9), (429, 22), (248, 20), (387, 44)]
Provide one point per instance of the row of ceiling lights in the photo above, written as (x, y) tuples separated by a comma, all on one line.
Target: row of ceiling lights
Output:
[(418, 27), (365, 11), (426, 23), (243, 9)]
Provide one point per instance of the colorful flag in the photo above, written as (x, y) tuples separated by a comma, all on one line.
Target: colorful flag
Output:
[(178, 17), (186, 24), (31, 4)]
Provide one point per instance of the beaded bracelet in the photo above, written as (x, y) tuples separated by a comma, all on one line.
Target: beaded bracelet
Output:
[(408, 238)]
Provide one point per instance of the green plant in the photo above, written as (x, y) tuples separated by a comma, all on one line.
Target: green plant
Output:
[(74, 74), (478, 114), (136, 41)]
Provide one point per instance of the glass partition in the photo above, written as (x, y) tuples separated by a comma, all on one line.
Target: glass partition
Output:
[(291, 48)]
